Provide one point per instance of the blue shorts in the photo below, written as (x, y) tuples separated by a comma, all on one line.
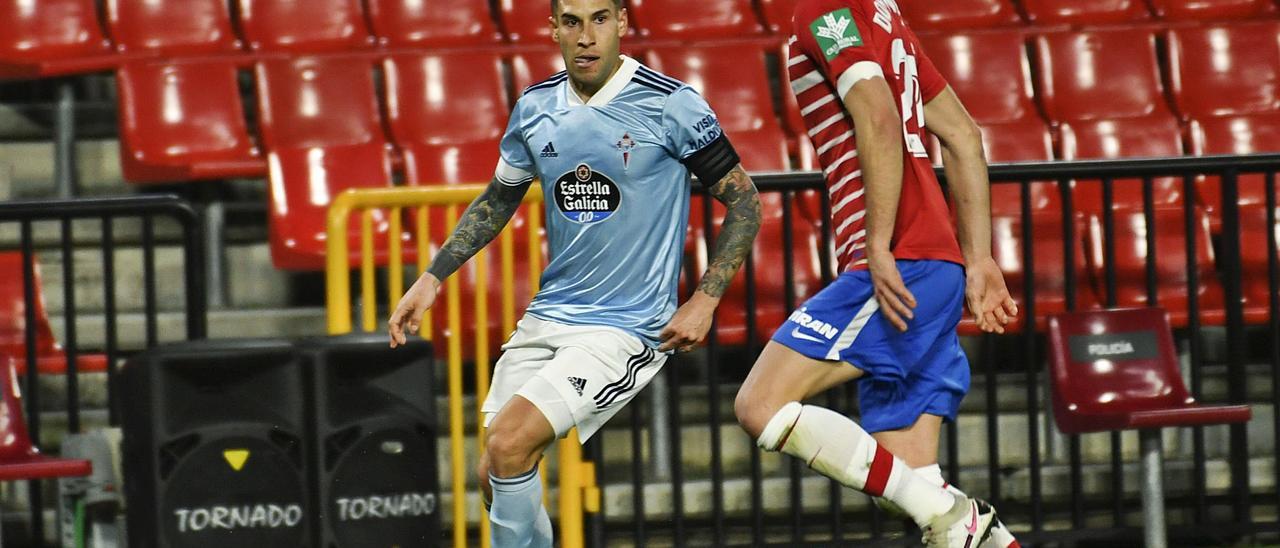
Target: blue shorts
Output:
[(908, 374)]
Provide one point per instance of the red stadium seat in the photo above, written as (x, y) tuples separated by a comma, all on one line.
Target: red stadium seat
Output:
[(313, 26), (19, 456), (526, 21), (1243, 134), (1085, 12), (470, 104), (736, 85), (1148, 137), (1171, 263), (1099, 74), (1253, 258), (533, 65), (184, 120), (1225, 69), (1050, 268), (1026, 140), (777, 15), (989, 72), (321, 125), (399, 23), (50, 356), (705, 19), (193, 27), (45, 38), (932, 15), (1213, 9)]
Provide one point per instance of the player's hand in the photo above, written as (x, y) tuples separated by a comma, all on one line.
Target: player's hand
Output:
[(690, 324), (896, 301), (987, 296), (415, 302)]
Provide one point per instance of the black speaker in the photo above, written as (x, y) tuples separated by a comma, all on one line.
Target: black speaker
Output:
[(216, 445), (374, 414)]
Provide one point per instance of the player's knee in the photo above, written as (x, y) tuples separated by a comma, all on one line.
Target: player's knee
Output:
[(510, 453), (753, 413)]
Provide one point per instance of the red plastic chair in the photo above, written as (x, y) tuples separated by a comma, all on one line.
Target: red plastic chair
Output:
[(1050, 269), (1118, 370), (735, 83), (472, 107), (1181, 10), (321, 125), (310, 26), (930, 15), (1099, 74), (1240, 134), (989, 72), (1130, 240), (1225, 69), (777, 15), (184, 120), (192, 27), (1156, 136), (410, 23), (704, 19), (526, 21), (1026, 140), (44, 38), (50, 357), (532, 65), (19, 457), (1085, 12)]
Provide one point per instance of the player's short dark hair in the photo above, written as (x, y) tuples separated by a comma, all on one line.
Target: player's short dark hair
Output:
[(555, 4)]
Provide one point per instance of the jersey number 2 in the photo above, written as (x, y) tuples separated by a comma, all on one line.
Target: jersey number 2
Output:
[(904, 67)]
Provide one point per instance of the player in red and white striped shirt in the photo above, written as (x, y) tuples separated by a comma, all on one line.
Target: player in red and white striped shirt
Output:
[(867, 93)]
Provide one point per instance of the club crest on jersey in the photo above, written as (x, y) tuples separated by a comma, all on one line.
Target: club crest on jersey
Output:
[(586, 196), (625, 145), (835, 31)]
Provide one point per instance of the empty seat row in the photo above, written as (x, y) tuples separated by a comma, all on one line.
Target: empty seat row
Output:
[(928, 15), (56, 37)]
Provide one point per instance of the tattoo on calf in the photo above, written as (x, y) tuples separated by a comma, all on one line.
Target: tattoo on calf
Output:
[(480, 224), (741, 223)]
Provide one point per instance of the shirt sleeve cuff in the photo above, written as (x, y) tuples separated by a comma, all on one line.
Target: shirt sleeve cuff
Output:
[(862, 70), (511, 175)]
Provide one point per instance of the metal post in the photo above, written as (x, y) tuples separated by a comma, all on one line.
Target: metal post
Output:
[(1153, 526), (659, 428), (64, 141), (215, 219)]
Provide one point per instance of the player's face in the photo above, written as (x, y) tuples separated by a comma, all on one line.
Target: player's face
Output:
[(589, 33)]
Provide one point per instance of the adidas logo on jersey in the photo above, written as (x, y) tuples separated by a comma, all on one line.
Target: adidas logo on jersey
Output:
[(549, 151), (579, 384)]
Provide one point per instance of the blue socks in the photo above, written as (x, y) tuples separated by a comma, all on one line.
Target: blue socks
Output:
[(517, 517)]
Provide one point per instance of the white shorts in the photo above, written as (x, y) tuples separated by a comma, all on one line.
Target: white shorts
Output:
[(575, 375)]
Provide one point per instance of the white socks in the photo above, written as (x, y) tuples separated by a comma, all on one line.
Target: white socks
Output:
[(517, 517), (838, 448)]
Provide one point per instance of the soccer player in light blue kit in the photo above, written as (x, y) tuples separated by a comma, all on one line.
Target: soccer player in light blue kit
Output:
[(613, 144)]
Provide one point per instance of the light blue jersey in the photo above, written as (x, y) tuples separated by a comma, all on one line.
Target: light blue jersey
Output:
[(617, 194)]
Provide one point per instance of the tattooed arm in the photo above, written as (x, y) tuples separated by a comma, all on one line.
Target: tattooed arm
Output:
[(691, 322), (479, 225)]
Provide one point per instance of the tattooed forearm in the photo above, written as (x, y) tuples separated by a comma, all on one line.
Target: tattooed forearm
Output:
[(479, 225), (741, 223)]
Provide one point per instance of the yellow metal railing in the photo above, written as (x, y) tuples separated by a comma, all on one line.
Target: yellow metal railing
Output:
[(577, 489)]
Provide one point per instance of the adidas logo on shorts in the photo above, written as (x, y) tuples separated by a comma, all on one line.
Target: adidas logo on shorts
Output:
[(578, 383), (549, 151)]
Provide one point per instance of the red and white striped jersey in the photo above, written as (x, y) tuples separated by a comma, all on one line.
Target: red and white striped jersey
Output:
[(834, 45)]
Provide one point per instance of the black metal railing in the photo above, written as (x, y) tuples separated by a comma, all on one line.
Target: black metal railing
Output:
[(106, 211), (1046, 488)]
